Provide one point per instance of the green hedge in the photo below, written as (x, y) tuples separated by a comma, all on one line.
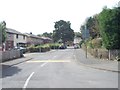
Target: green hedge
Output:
[(43, 48), (40, 48), (55, 46)]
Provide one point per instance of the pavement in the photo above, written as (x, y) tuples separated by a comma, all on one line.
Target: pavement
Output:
[(80, 57), (90, 61), (16, 61)]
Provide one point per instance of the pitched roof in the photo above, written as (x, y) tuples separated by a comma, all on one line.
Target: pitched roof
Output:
[(32, 35), (46, 38), (12, 31)]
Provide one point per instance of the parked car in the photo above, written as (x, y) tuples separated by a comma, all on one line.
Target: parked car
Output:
[(22, 49), (62, 47), (76, 46)]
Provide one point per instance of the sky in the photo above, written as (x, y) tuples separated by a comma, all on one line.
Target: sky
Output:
[(38, 16)]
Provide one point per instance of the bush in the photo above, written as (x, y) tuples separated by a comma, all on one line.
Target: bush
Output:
[(81, 42), (90, 44), (40, 48), (44, 48), (97, 43), (33, 49), (55, 46)]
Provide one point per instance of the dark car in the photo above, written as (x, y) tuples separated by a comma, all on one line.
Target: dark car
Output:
[(62, 47), (22, 49)]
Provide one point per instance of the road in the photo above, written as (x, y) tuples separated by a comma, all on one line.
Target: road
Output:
[(57, 69)]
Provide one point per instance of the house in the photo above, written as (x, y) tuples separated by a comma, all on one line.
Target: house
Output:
[(14, 39), (32, 39), (77, 40), (18, 39), (47, 40)]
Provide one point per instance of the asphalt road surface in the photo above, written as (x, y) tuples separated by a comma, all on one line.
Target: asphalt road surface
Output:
[(57, 69)]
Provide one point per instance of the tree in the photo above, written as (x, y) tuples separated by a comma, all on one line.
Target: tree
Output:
[(46, 34), (2, 32), (109, 24), (63, 31), (78, 34), (92, 26)]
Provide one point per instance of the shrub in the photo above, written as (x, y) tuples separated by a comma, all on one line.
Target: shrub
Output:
[(94, 43), (55, 46), (97, 43), (44, 48), (33, 49), (81, 42)]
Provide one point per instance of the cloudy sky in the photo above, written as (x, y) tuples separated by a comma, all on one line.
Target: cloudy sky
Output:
[(38, 16)]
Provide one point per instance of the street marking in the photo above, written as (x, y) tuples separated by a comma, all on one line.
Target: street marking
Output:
[(32, 61), (104, 71), (44, 64), (54, 56), (27, 81)]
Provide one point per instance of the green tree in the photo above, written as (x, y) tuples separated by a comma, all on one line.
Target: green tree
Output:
[(2, 32), (63, 31), (92, 26), (109, 24), (78, 34), (46, 34)]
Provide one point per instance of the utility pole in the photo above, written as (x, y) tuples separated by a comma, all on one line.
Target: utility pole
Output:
[(85, 40)]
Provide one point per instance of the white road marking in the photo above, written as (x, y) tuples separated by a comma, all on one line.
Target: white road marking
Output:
[(46, 61), (104, 71), (43, 64), (54, 57), (75, 57), (27, 81)]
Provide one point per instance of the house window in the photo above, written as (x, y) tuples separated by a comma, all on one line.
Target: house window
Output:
[(16, 35), (23, 36)]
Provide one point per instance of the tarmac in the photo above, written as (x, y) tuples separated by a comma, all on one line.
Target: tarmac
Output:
[(90, 61)]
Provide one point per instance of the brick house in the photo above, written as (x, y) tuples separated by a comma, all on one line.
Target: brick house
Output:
[(47, 40), (32, 39), (14, 39)]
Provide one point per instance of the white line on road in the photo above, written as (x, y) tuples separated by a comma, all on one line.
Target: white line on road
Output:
[(74, 57), (27, 81), (43, 64), (54, 57)]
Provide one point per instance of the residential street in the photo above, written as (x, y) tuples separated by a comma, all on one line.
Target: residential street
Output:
[(59, 69)]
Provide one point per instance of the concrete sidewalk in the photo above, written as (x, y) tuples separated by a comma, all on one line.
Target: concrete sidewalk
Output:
[(96, 63)]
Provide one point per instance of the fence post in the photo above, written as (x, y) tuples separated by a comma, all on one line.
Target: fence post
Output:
[(86, 49), (40, 49), (109, 57)]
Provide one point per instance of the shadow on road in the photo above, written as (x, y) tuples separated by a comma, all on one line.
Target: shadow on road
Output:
[(8, 71)]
